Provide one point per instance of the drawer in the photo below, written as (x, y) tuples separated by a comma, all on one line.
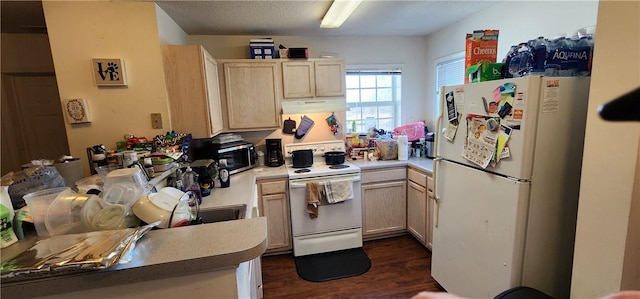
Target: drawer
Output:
[(273, 187), (384, 175), (417, 177)]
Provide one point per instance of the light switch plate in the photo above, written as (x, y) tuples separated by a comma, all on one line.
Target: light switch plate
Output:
[(156, 120)]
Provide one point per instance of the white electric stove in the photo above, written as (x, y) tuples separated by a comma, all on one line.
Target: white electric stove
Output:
[(319, 167), (338, 226)]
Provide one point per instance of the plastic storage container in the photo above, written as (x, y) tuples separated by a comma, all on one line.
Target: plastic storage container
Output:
[(39, 202), (65, 214), (114, 217)]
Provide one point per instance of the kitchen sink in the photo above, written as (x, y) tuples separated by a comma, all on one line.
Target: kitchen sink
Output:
[(223, 213)]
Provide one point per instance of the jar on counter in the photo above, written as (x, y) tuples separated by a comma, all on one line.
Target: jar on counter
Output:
[(148, 167)]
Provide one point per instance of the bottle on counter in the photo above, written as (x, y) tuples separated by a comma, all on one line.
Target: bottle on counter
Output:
[(190, 183), (224, 177), (148, 167)]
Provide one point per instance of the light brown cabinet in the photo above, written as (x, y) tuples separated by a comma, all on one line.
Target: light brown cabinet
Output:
[(313, 78), (420, 205), (251, 94), (191, 76), (384, 195), (273, 202)]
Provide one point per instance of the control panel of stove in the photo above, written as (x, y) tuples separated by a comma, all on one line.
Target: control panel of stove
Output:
[(318, 148)]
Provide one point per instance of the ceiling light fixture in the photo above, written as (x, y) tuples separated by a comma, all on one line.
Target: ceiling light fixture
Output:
[(338, 13)]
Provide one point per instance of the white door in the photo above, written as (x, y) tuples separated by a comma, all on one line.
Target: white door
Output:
[(479, 231), (468, 99)]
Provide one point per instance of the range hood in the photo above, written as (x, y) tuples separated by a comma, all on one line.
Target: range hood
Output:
[(314, 106)]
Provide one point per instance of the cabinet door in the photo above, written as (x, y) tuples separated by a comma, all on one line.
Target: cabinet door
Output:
[(213, 93), (252, 95), (187, 90), (384, 207), (416, 211), (276, 209), (298, 79), (330, 78)]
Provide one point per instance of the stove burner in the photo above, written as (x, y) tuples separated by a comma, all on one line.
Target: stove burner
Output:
[(338, 166), (303, 170)]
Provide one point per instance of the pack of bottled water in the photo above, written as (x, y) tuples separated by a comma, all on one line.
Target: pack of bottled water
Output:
[(560, 56)]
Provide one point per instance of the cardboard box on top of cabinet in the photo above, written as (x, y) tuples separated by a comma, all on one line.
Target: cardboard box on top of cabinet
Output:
[(481, 46), (482, 72)]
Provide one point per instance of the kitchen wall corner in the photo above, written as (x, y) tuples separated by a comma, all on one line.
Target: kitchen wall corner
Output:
[(80, 31)]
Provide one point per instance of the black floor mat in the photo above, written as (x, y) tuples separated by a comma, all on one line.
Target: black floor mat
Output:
[(333, 265)]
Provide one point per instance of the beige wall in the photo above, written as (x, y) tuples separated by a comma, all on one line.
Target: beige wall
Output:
[(80, 31), (518, 21), (610, 169)]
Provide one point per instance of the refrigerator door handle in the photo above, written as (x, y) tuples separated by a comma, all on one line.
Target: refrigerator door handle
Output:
[(437, 133), (436, 161)]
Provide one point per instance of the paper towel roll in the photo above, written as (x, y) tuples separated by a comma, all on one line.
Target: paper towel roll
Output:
[(403, 147)]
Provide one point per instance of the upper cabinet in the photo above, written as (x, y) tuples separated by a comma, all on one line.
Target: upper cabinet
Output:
[(251, 94), (191, 76), (313, 78)]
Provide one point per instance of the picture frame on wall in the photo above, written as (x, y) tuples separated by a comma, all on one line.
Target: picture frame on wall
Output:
[(77, 111), (109, 72)]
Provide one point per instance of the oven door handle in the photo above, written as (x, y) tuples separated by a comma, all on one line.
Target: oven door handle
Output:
[(303, 183)]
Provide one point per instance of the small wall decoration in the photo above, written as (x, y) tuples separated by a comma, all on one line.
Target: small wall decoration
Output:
[(77, 111), (109, 72)]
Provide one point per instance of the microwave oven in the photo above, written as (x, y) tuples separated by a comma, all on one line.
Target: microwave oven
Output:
[(237, 156)]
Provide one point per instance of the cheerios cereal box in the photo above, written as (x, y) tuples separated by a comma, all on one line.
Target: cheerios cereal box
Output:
[(481, 46)]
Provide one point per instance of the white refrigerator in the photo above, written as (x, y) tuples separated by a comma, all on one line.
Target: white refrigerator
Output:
[(509, 222)]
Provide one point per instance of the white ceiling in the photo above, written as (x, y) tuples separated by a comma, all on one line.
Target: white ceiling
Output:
[(269, 17), (302, 17)]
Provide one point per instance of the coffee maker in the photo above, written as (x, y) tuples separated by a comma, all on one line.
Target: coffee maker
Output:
[(273, 158)]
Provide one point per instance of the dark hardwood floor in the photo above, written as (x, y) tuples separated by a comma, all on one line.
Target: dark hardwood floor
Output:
[(400, 268)]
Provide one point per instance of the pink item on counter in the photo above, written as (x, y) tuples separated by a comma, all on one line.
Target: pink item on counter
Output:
[(414, 131)]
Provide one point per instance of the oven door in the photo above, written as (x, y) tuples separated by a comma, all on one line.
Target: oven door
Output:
[(331, 217)]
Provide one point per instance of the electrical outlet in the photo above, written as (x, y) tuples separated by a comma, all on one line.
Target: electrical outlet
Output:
[(156, 120)]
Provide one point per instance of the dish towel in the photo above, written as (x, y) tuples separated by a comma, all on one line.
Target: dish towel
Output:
[(313, 199), (338, 191)]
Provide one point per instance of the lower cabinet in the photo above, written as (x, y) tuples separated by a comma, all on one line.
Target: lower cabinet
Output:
[(273, 202), (416, 211), (420, 206), (384, 205)]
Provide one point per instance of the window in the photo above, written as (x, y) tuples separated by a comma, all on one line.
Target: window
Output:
[(373, 96), (449, 71)]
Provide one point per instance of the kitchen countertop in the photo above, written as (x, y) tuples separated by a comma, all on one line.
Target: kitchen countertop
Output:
[(166, 253), (421, 163)]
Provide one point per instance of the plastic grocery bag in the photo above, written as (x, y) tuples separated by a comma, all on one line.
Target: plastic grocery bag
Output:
[(30, 180)]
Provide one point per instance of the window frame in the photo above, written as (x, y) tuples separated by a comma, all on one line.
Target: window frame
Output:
[(396, 92), (441, 61)]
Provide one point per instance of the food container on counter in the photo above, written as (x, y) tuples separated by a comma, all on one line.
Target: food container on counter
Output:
[(91, 182), (39, 202), (114, 217), (161, 164), (163, 206), (387, 149), (66, 214)]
